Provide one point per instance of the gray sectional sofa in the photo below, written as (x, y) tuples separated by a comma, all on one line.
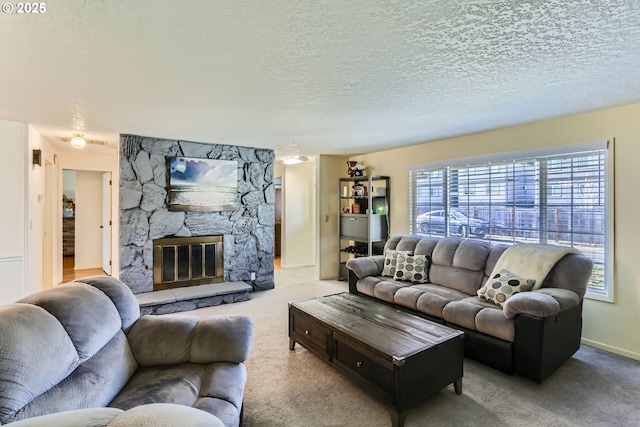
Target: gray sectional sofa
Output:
[(531, 334), (80, 354)]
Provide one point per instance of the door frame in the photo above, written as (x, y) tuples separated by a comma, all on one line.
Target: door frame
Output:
[(95, 163)]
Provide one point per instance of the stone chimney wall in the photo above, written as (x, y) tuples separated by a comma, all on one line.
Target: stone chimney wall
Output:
[(248, 232)]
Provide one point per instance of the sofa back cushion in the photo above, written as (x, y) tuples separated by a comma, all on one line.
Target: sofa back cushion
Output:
[(121, 296), (456, 263), (87, 315), (465, 264), (459, 264), (59, 346), (36, 353)]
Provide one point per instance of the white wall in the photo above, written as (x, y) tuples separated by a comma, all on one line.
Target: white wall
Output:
[(36, 214), (330, 169), (299, 215), (12, 234), (609, 326), (69, 184), (88, 236)]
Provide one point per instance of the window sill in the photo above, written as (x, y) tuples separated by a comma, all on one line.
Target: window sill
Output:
[(604, 296)]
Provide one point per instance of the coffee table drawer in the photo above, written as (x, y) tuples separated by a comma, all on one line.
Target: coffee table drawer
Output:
[(367, 365), (310, 333)]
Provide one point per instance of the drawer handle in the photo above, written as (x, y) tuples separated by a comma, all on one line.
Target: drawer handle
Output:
[(358, 364), (307, 332)]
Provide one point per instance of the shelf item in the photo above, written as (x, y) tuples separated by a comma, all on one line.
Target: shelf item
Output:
[(68, 236), (370, 227), (364, 218)]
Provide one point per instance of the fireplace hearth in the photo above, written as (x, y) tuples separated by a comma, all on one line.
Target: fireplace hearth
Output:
[(187, 261)]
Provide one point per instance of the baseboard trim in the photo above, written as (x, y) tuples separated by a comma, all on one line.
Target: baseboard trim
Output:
[(296, 265), (611, 349)]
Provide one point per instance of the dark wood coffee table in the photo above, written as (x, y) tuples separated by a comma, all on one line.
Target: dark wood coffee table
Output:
[(398, 357)]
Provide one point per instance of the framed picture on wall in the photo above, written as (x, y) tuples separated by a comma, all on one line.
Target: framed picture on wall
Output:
[(202, 184)]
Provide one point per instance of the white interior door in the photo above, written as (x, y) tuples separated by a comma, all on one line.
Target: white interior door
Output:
[(106, 222)]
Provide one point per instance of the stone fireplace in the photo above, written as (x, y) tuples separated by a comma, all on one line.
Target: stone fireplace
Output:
[(187, 261), (245, 252)]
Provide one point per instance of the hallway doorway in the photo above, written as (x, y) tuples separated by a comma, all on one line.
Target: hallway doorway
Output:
[(86, 209)]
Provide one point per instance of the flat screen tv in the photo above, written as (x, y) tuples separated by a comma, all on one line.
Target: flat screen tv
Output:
[(202, 184)]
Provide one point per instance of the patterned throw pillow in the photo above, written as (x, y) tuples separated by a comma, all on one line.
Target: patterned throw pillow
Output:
[(414, 268), (503, 286), (390, 261)]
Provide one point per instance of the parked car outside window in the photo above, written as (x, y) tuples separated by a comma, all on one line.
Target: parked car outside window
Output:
[(433, 222)]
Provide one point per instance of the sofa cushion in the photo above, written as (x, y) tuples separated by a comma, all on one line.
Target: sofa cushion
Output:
[(161, 384), (391, 262), (503, 286), (461, 313), (380, 287), (413, 268), (480, 315), (386, 289), (367, 285), (94, 383), (427, 298), (491, 321)]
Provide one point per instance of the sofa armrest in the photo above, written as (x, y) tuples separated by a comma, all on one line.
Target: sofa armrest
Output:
[(540, 303), (366, 266), (173, 338)]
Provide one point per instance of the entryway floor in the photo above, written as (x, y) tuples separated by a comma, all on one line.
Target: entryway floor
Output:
[(69, 274)]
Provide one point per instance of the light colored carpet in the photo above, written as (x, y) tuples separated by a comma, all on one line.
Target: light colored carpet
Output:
[(296, 388)]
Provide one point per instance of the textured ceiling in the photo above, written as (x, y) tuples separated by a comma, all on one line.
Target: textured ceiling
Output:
[(308, 77)]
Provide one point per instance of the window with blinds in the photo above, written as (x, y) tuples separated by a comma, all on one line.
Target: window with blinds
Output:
[(556, 198)]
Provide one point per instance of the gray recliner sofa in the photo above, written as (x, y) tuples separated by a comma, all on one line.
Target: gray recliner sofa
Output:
[(531, 334), (80, 354)]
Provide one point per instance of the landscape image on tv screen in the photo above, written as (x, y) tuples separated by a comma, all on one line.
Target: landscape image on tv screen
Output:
[(202, 184)]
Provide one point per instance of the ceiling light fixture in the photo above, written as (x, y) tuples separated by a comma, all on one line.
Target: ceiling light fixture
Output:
[(294, 160), (78, 141)]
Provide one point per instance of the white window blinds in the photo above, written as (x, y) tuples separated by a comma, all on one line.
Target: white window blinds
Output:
[(557, 198)]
